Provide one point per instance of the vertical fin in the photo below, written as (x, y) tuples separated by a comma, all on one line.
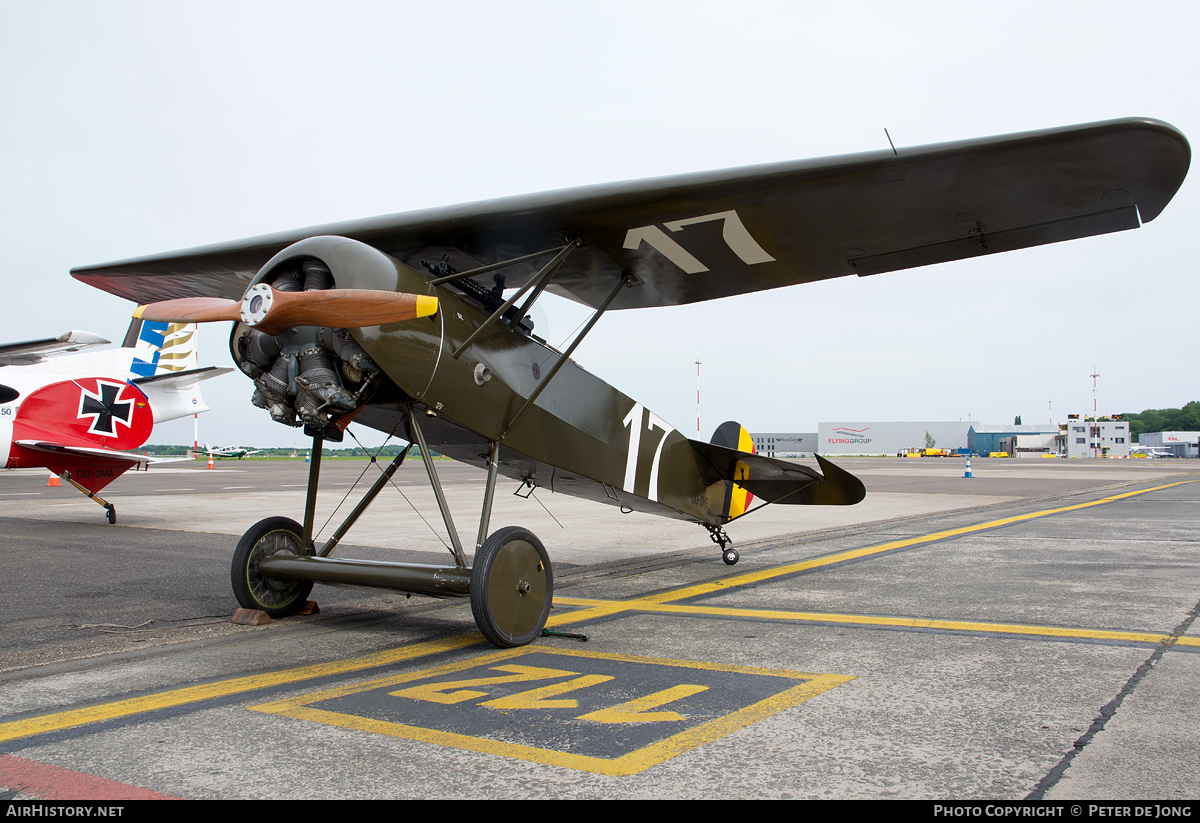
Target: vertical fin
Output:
[(179, 349), (160, 347)]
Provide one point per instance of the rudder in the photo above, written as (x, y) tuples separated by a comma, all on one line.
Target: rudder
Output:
[(732, 435)]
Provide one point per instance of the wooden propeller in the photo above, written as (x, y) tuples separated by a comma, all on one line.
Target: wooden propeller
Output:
[(272, 311)]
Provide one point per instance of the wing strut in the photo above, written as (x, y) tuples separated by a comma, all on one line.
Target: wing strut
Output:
[(450, 278), (567, 354), (541, 280)]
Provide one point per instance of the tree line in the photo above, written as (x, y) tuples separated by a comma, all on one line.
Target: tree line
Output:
[(1165, 420)]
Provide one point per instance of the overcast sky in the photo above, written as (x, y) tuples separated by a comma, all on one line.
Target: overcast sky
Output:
[(137, 128)]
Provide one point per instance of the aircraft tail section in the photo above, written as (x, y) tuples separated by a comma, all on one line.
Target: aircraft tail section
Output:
[(747, 475), (161, 347), (165, 366)]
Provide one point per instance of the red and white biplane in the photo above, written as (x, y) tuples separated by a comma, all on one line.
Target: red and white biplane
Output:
[(81, 413)]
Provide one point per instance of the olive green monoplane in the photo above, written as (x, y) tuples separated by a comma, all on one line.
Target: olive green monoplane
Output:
[(436, 354)]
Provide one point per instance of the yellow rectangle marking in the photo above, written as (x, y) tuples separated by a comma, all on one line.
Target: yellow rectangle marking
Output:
[(631, 763)]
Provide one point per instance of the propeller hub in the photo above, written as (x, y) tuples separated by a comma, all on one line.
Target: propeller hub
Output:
[(256, 304)]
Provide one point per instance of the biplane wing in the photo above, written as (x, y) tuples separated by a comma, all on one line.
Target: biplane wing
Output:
[(714, 234)]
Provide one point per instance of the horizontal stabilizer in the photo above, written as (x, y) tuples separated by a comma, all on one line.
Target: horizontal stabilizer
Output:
[(778, 481), (183, 379), (140, 460), (35, 351), (177, 394)]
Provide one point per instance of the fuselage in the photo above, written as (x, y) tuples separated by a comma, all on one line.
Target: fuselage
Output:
[(578, 427)]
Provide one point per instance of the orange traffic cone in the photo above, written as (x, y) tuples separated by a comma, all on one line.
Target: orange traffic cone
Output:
[(54, 481), (210, 463)]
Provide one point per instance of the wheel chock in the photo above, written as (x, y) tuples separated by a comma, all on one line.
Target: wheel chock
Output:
[(250, 617)]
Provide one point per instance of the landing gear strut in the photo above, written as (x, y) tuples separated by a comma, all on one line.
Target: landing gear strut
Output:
[(510, 584)]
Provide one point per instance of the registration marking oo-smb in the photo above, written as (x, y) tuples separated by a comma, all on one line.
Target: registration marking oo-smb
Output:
[(603, 713)]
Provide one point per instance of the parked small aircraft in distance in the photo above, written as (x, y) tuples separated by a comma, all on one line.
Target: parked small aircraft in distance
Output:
[(222, 452), (79, 413), (391, 322)]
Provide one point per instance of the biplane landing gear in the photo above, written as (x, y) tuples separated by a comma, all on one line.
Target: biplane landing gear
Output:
[(510, 584), (512, 587), (276, 596), (730, 556)]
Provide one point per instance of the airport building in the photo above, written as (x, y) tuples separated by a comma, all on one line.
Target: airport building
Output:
[(1075, 438), (775, 444), (889, 438), (1179, 444), (1094, 438), (988, 439)]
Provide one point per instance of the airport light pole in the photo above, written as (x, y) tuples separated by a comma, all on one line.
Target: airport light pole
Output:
[(698, 398), (1095, 416)]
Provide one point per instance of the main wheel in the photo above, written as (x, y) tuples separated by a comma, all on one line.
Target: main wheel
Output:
[(278, 598), (512, 587)]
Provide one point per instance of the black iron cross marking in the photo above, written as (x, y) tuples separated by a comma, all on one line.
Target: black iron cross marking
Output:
[(105, 408)]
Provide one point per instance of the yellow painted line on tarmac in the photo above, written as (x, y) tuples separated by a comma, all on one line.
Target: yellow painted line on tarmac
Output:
[(591, 607), (867, 551), (172, 698)]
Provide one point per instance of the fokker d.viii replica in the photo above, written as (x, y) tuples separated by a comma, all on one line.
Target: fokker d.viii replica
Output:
[(402, 323)]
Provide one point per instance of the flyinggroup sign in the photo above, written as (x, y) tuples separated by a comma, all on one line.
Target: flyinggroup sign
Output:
[(845, 435), (867, 437)]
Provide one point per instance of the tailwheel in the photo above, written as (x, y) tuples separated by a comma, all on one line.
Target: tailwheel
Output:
[(512, 587), (278, 598)]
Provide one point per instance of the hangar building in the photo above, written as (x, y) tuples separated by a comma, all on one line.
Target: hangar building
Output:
[(889, 438), (985, 438), (774, 444), (1180, 444)]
